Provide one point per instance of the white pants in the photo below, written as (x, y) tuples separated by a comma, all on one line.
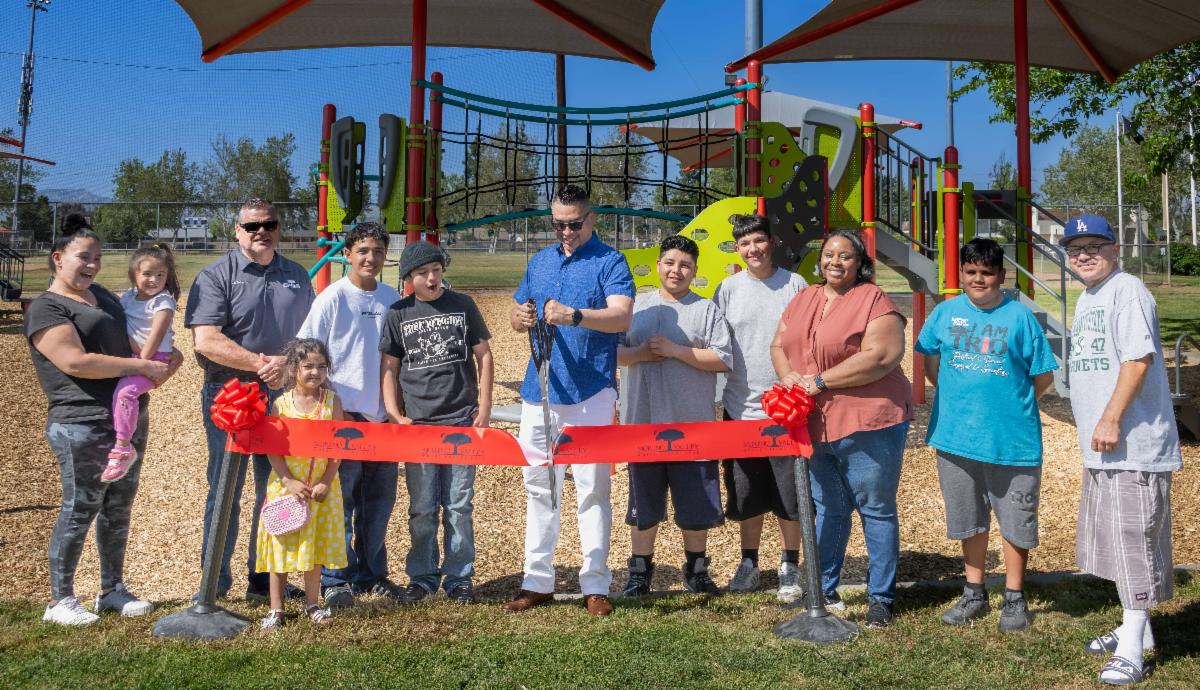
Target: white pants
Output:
[(593, 487)]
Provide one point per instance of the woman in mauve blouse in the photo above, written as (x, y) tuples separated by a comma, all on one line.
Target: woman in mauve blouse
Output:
[(842, 340)]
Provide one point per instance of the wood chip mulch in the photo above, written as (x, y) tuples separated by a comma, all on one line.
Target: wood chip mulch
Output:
[(163, 560)]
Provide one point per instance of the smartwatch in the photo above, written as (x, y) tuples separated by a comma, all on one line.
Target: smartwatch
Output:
[(576, 317), (820, 383)]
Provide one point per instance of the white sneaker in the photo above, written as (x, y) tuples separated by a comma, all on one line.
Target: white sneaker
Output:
[(122, 601), (68, 611), (746, 579), (789, 583)]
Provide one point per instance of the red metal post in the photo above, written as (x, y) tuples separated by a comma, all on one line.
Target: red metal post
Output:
[(434, 153), (754, 143), (253, 29), (951, 195), (1024, 174), (866, 113), (328, 115), (415, 202), (739, 110)]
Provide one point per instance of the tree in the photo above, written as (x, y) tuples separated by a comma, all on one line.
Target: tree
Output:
[(1003, 175), (170, 179), (1061, 102), (240, 170)]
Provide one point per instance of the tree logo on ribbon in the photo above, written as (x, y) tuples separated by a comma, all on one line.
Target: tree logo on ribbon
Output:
[(773, 432), (670, 436), (456, 440), (348, 434), (564, 439)]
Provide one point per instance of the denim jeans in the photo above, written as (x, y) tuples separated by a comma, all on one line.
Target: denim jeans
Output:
[(859, 472), (262, 468), (368, 496), (82, 453), (452, 489)]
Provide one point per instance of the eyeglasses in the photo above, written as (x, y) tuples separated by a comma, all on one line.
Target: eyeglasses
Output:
[(268, 225), (574, 225), (1089, 249)]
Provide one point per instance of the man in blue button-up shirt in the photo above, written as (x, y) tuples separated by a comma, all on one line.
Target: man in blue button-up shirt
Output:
[(583, 287)]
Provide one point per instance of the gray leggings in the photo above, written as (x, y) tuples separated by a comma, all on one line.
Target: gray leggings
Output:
[(82, 452)]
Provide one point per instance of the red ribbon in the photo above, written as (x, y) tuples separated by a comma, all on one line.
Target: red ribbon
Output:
[(787, 406), (238, 406)]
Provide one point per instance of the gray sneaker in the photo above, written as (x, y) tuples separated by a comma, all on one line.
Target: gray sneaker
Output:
[(123, 602), (1014, 613), (969, 607), (789, 583), (747, 578)]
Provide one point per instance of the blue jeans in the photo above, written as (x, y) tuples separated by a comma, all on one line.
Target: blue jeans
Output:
[(368, 496), (450, 488), (859, 472), (262, 468)]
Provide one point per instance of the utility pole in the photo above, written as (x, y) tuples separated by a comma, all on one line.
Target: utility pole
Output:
[(949, 104), (1120, 194), (754, 20), (25, 106)]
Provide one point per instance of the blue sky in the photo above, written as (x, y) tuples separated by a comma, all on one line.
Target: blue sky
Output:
[(116, 80)]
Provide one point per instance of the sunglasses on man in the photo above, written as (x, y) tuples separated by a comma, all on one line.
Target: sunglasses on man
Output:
[(573, 225), (1089, 249), (268, 225)]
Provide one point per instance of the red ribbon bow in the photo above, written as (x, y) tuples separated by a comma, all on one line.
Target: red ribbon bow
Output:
[(787, 406), (238, 406)]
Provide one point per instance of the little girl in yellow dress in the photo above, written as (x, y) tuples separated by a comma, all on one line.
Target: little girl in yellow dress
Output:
[(322, 540)]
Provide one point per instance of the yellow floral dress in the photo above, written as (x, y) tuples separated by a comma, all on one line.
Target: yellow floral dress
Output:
[(322, 541)]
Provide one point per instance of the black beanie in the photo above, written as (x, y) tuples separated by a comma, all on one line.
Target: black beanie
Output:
[(417, 254)]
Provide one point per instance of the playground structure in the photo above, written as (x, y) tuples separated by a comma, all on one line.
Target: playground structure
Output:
[(830, 170), (12, 262)]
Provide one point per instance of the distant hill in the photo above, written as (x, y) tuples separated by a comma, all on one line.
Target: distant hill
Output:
[(78, 195)]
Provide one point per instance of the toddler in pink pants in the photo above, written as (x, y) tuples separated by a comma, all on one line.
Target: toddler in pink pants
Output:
[(149, 310)]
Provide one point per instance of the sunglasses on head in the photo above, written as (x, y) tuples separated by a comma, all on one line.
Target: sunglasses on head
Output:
[(268, 225), (575, 225)]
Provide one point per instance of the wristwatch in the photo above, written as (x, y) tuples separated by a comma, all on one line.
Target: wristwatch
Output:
[(820, 383), (576, 317)]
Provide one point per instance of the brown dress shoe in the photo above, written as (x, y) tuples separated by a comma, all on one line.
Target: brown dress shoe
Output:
[(527, 600), (598, 604)]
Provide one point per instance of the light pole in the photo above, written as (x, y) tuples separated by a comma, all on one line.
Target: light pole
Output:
[(1120, 192), (25, 106)]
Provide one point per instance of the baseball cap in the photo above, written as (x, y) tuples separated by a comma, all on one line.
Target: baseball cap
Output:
[(1086, 225)]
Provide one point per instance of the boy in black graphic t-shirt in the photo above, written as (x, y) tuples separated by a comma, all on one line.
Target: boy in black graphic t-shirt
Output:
[(437, 369)]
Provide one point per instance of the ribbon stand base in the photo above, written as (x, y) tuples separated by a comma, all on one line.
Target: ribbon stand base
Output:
[(816, 625), (205, 620)]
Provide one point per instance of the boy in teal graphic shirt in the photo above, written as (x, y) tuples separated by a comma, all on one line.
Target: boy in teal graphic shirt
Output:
[(990, 361)]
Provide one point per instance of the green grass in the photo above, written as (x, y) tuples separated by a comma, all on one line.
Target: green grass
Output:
[(684, 641)]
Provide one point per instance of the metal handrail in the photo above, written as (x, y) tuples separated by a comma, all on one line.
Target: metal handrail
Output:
[(1179, 356), (1056, 253)]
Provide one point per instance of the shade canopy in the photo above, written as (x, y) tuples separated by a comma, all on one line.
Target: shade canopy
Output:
[(708, 138), (610, 29), (1118, 33)]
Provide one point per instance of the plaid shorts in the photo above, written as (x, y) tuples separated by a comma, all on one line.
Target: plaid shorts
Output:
[(1124, 534)]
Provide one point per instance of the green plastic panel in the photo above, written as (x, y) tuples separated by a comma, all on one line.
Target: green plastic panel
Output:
[(392, 215), (713, 232), (781, 156)]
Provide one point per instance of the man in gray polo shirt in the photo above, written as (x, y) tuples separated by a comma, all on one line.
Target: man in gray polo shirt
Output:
[(242, 310)]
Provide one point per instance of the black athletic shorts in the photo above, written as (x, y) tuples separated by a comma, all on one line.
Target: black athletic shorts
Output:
[(754, 486), (695, 493)]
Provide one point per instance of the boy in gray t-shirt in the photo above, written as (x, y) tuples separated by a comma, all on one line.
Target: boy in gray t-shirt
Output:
[(753, 301), (676, 344), (1129, 442)]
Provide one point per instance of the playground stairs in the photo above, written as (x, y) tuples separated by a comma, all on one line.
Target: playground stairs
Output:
[(12, 274)]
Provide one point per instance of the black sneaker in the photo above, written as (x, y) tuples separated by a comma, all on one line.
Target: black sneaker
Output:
[(339, 597), (412, 594), (1014, 613), (698, 579), (386, 588), (641, 572), (971, 606), (461, 593), (879, 615), (263, 596)]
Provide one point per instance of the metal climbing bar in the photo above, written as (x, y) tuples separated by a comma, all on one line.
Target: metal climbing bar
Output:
[(577, 110), (330, 255)]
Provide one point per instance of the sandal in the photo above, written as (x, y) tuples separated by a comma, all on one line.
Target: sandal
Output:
[(318, 615), (120, 459), (275, 619), (1126, 673), (1107, 644)]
